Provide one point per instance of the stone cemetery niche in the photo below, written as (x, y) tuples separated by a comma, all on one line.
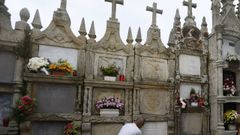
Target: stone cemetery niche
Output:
[(5, 106), (185, 89), (48, 128), (189, 65), (229, 83), (153, 101), (154, 69), (106, 129), (104, 60), (7, 66), (55, 98), (228, 107), (55, 53), (155, 128), (100, 93)]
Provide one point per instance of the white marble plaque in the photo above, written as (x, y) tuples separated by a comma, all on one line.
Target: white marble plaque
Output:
[(190, 65), (185, 89), (155, 128), (154, 69), (228, 47), (103, 60), (55, 53)]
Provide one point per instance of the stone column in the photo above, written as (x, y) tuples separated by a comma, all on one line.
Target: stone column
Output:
[(87, 103), (219, 66), (136, 110), (79, 98)]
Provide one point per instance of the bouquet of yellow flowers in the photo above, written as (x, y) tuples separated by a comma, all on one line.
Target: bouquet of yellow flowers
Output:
[(61, 65), (230, 116)]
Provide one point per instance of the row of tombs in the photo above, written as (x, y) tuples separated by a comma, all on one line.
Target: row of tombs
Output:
[(54, 83)]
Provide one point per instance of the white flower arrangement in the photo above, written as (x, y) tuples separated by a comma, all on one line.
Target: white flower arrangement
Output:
[(36, 63), (232, 57)]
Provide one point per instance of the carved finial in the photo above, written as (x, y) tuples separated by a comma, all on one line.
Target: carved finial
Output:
[(129, 37), (91, 33), (63, 4), (82, 29), (204, 29), (139, 36), (154, 11), (175, 34), (114, 7), (24, 14), (37, 21), (177, 15)]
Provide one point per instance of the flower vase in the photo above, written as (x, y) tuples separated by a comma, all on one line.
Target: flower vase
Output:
[(5, 122), (109, 112), (110, 78), (194, 104), (44, 70), (231, 126), (58, 73)]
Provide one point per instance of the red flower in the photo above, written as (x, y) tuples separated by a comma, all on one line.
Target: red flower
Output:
[(20, 107)]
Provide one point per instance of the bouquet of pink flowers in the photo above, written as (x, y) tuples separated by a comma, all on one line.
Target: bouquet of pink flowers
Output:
[(109, 103)]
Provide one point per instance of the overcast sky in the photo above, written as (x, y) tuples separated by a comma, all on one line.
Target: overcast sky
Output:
[(133, 13)]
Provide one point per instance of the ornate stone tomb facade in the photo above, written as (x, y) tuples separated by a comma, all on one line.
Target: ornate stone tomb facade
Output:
[(153, 76)]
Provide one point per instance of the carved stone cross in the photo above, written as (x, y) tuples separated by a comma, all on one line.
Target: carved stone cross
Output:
[(114, 6), (63, 4), (154, 11), (190, 5)]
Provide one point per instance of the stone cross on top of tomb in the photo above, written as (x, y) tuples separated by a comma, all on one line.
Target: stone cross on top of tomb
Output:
[(154, 11), (114, 7), (190, 5), (63, 4)]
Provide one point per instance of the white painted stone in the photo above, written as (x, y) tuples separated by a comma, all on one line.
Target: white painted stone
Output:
[(185, 89), (154, 69), (55, 53), (155, 128), (226, 48), (190, 65)]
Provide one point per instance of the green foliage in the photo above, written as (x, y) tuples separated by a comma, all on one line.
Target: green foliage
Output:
[(192, 91), (112, 70)]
